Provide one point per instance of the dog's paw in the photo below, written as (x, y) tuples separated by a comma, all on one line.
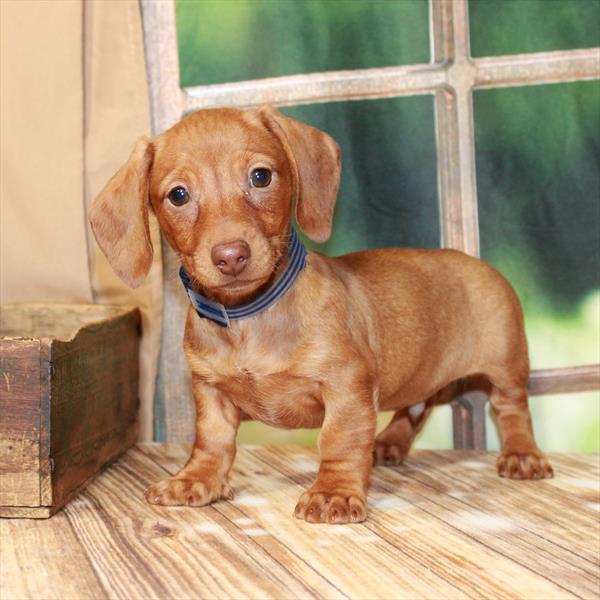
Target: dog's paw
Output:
[(186, 492), (386, 453), (516, 465), (335, 507)]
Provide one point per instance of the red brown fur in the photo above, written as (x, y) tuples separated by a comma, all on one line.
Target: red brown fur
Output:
[(377, 330)]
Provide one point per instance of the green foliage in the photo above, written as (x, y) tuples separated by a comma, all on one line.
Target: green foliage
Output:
[(388, 193), (519, 26), (233, 40), (538, 149)]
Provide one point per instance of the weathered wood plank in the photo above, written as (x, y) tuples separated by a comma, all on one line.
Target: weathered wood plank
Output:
[(429, 550), (348, 556), (179, 552), (417, 530), (45, 454), (545, 506), (39, 320), (522, 540), (68, 399), (44, 559), (170, 457), (564, 380), (357, 84), (20, 422), (94, 399), (441, 526), (26, 512)]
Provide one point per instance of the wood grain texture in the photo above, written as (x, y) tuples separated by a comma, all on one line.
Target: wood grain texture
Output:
[(406, 80), (26, 512), (20, 373), (68, 399), (39, 320), (94, 399), (32, 569), (564, 380), (441, 526)]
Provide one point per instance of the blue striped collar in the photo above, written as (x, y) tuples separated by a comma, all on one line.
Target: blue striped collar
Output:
[(209, 309)]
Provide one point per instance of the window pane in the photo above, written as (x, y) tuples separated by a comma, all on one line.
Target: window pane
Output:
[(556, 429), (254, 432), (388, 194), (437, 431), (251, 39), (436, 434), (561, 423), (538, 153), (519, 26)]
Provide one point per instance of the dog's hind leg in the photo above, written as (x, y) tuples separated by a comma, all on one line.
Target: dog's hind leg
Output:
[(520, 458), (393, 443)]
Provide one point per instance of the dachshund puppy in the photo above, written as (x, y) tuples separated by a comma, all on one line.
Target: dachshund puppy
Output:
[(297, 339)]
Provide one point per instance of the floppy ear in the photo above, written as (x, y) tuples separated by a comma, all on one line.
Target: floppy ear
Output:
[(119, 217), (315, 161)]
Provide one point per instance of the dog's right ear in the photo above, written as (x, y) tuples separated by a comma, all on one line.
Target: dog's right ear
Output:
[(119, 216), (314, 159)]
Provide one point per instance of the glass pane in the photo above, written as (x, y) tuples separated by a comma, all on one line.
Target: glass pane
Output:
[(519, 26), (561, 423), (388, 194), (251, 39), (436, 434), (538, 153), (253, 432), (556, 429), (437, 431)]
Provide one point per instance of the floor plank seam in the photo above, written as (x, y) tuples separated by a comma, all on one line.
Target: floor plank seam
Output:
[(442, 525), (365, 524), (235, 541), (487, 546), (85, 552), (530, 531), (291, 574)]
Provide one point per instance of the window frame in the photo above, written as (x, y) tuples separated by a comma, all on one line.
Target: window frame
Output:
[(451, 77)]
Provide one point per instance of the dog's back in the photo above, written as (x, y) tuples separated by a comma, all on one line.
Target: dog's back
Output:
[(425, 299)]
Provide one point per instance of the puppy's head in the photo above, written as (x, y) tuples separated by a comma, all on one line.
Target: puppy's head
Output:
[(221, 184)]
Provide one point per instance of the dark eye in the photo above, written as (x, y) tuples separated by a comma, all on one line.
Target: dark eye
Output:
[(260, 177), (178, 196)]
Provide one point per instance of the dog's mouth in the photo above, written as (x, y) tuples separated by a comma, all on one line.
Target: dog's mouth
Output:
[(239, 284), (239, 291)]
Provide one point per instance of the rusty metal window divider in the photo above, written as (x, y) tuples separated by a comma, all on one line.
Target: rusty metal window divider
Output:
[(451, 77)]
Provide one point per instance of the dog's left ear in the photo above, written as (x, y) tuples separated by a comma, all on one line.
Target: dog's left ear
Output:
[(314, 158)]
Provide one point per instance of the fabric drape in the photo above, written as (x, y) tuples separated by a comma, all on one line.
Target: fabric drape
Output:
[(73, 100)]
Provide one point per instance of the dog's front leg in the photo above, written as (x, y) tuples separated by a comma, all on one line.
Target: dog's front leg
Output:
[(203, 479), (339, 495)]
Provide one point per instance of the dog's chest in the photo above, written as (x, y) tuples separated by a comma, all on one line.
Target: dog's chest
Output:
[(264, 381), (278, 399)]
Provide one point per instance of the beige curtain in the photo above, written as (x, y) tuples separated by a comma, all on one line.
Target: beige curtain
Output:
[(73, 100)]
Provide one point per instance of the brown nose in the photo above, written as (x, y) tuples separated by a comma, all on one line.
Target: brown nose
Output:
[(231, 258)]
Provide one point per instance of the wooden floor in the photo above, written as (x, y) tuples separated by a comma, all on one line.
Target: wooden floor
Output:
[(441, 526)]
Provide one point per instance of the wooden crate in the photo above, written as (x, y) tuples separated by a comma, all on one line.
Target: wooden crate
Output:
[(68, 400)]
